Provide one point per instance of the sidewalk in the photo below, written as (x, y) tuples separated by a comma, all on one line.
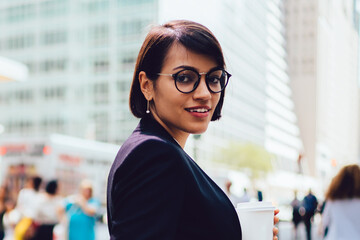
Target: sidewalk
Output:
[(286, 231), (101, 232)]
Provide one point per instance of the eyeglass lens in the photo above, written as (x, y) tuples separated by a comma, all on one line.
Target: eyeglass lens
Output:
[(187, 80)]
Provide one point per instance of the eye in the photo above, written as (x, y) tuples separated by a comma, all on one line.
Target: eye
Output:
[(183, 78), (214, 79), (186, 76)]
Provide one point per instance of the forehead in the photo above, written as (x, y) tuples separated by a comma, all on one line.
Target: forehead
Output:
[(178, 55)]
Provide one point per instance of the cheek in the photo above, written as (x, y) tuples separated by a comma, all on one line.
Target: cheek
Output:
[(216, 99), (167, 97)]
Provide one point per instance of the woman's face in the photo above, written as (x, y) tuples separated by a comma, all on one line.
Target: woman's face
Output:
[(178, 112)]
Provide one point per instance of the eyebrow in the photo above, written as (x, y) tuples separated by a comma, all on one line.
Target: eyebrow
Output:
[(193, 68), (185, 67)]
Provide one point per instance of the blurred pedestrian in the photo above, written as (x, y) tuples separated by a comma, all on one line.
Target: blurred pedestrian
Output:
[(260, 195), (233, 198), (296, 213), (245, 197), (321, 207), (155, 189), (81, 210), (342, 209), (10, 219), (26, 205), (310, 205), (47, 214), (2, 210)]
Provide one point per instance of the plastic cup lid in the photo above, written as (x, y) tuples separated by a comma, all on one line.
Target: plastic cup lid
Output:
[(255, 206)]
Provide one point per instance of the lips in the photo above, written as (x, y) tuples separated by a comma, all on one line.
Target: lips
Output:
[(198, 109), (200, 112)]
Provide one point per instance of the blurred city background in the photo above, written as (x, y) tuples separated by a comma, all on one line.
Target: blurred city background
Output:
[(290, 116)]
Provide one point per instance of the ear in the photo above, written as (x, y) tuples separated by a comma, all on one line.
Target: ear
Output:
[(146, 86)]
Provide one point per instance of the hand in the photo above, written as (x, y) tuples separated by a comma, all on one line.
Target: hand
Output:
[(80, 201), (276, 220)]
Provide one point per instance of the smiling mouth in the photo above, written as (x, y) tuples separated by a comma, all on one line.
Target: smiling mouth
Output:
[(197, 110)]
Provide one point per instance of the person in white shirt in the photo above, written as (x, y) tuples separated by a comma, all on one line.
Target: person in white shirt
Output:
[(26, 205), (47, 214), (233, 198), (340, 217), (10, 218), (28, 197)]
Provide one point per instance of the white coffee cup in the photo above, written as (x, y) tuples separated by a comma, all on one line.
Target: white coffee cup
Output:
[(256, 220)]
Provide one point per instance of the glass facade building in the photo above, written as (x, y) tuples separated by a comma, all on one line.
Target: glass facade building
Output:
[(258, 106), (81, 55), (322, 39)]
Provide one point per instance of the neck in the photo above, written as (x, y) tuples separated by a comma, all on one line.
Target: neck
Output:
[(181, 142), (179, 136)]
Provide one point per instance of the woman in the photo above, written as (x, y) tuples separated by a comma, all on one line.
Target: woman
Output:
[(10, 219), (27, 203), (47, 214), (342, 209), (155, 190), (2, 210)]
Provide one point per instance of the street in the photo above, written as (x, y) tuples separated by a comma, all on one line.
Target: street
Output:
[(286, 231)]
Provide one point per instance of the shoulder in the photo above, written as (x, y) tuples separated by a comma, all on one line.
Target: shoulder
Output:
[(353, 202), (69, 200), (26, 194), (26, 191), (94, 202), (142, 148), (146, 156)]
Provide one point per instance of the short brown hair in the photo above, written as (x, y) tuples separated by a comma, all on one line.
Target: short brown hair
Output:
[(193, 36), (346, 184)]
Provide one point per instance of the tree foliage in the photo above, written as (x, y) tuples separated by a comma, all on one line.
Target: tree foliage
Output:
[(252, 158)]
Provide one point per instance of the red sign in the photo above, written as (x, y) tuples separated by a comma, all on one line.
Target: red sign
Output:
[(73, 160), (2, 151)]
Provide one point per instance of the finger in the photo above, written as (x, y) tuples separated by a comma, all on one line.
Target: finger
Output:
[(276, 220), (276, 211), (275, 231)]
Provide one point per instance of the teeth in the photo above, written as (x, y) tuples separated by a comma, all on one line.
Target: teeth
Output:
[(200, 110)]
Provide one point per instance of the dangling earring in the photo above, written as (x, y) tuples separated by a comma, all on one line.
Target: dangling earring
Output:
[(147, 108)]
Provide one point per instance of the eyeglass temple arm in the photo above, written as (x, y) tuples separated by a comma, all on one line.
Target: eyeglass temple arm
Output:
[(165, 74)]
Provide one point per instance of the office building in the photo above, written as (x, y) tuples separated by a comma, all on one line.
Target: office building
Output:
[(322, 40), (81, 56)]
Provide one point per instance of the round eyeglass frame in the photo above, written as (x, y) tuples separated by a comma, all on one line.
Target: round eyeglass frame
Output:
[(174, 75)]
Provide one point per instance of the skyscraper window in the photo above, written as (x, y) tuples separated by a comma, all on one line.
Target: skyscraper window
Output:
[(54, 37)]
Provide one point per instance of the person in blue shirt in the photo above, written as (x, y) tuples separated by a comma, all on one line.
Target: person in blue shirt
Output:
[(310, 204), (81, 212)]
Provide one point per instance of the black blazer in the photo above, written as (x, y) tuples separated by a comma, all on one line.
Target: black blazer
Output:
[(156, 191)]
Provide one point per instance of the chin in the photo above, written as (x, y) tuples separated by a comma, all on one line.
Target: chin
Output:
[(199, 130)]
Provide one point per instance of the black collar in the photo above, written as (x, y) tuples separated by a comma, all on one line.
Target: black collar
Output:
[(149, 126)]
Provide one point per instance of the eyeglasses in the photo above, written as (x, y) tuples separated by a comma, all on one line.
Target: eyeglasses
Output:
[(187, 80)]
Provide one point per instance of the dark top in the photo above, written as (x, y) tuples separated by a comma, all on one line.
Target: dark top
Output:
[(156, 191), (1, 222), (310, 204)]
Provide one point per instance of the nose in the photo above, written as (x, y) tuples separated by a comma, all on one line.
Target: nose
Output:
[(202, 92)]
